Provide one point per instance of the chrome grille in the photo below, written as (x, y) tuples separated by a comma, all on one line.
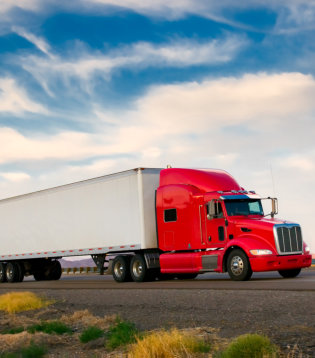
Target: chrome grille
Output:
[(288, 239)]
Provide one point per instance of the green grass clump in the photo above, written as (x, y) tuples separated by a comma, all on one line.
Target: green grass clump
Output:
[(90, 334), (14, 330), (50, 327), (250, 346), (32, 351), (13, 302), (122, 333)]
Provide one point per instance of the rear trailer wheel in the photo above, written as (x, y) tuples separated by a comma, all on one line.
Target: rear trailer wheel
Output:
[(3, 277), (55, 271), (138, 269), (39, 275), (21, 270), (289, 273), (238, 266), (12, 272), (121, 272)]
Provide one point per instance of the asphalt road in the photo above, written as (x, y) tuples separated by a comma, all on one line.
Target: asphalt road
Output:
[(211, 281)]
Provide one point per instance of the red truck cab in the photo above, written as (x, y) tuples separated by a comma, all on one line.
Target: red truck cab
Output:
[(207, 222)]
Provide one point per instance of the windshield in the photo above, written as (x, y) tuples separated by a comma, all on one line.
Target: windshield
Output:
[(243, 207)]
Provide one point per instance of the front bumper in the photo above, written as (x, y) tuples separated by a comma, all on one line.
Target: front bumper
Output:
[(275, 263)]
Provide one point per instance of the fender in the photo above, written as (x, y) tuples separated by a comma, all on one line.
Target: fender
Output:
[(246, 243), (250, 242)]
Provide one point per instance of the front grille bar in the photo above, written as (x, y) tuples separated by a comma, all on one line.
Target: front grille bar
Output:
[(288, 239)]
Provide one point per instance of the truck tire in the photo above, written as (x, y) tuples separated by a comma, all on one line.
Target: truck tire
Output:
[(138, 269), (121, 271), (55, 270), (12, 272), (21, 271), (39, 275), (289, 273), (3, 277), (238, 266)]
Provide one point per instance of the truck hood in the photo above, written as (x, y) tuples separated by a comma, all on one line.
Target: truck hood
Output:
[(258, 223)]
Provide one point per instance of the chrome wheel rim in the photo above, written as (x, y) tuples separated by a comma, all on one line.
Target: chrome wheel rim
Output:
[(237, 265), (10, 272), (137, 269), (118, 269)]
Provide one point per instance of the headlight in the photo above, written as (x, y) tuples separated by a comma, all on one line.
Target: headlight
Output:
[(307, 250), (260, 252)]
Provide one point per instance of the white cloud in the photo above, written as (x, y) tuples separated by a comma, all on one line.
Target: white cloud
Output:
[(292, 15), (266, 105), (15, 177), (39, 42), (7, 5), (258, 101), (300, 162), (82, 67), (15, 100), (66, 145)]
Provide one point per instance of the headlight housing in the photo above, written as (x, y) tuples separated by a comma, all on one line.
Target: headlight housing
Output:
[(307, 249), (260, 252)]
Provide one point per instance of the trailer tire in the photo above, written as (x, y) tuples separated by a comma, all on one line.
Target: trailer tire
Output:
[(55, 270), (21, 271), (12, 272), (3, 277), (121, 271), (39, 275), (238, 266), (138, 269), (289, 273)]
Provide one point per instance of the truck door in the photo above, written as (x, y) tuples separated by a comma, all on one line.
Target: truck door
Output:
[(215, 224)]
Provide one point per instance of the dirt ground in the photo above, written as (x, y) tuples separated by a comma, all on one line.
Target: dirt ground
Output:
[(286, 317)]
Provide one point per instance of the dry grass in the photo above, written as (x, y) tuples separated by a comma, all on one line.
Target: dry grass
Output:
[(83, 319), (14, 302), (164, 344), (14, 342)]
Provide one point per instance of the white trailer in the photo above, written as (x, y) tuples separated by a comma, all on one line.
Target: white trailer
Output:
[(109, 214)]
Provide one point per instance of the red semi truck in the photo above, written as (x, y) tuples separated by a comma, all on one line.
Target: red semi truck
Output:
[(153, 223)]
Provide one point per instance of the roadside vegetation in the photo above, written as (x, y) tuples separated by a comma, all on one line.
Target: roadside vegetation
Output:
[(50, 327), (14, 302), (81, 333), (90, 334), (121, 334), (250, 345), (168, 344)]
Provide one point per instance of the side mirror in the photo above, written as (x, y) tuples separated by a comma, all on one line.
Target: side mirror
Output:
[(274, 206)]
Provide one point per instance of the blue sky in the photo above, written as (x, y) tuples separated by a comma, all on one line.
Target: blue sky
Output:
[(97, 86)]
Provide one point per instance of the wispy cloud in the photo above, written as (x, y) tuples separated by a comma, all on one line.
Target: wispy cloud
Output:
[(292, 15), (180, 53), (39, 42), (8, 5), (15, 100)]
